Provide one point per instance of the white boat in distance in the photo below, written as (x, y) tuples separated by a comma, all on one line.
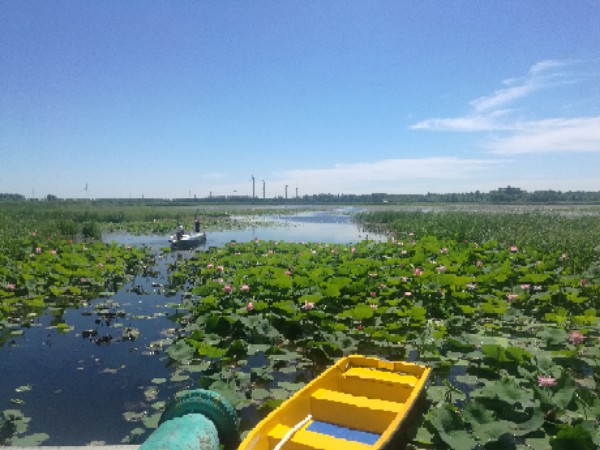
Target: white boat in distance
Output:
[(187, 240)]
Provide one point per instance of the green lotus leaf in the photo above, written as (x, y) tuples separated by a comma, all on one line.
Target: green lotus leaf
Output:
[(507, 390), (287, 306), (259, 394), (290, 387), (220, 325), (451, 428), (538, 443), (151, 421), (485, 426), (573, 437), (181, 351), (533, 424), (553, 336), (255, 348), (32, 440), (362, 311), (209, 351)]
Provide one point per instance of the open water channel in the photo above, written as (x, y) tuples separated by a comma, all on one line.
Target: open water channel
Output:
[(100, 381)]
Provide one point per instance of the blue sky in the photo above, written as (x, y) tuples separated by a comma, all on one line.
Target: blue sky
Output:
[(181, 98)]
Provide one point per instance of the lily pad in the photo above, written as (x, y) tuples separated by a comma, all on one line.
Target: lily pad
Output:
[(31, 440)]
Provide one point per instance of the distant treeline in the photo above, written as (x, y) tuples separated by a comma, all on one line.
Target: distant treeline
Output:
[(499, 196)]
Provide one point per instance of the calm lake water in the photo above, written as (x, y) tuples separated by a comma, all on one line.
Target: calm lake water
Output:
[(97, 384)]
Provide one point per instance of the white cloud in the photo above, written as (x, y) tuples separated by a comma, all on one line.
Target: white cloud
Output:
[(391, 175), (489, 113), (503, 96), (540, 75), (551, 135), (488, 110), (465, 124)]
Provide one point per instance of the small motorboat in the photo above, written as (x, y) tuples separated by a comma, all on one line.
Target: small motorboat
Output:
[(360, 403), (187, 240)]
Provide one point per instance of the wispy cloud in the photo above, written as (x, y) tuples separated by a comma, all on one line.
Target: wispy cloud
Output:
[(465, 124), (391, 175), (540, 75), (552, 135), (491, 113), (488, 111)]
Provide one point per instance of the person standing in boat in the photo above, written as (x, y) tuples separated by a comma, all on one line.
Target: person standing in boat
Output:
[(180, 232), (197, 225)]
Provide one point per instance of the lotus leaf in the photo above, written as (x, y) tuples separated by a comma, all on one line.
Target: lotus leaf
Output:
[(451, 429)]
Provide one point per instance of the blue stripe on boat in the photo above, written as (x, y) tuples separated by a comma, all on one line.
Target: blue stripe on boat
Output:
[(343, 433)]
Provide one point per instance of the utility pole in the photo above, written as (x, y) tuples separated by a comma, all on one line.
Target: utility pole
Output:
[(263, 189), (286, 186), (253, 188)]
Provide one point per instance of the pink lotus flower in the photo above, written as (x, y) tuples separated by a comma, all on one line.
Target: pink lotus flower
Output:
[(220, 268), (308, 305), (245, 288), (511, 297), (525, 287), (53, 252), (38, 250), (575, 337), (249, 306), (479, 263), (444, 251), (353, 250), (418, 271), (373, 294), (583, 281), (546, 381), (372, 275), (100, 265), (210, 266), (227, 288), (408, 294), (471, 286), (514, 249), (10, 287), (83, 280), (288, 272), (360, 327), (441, 268)]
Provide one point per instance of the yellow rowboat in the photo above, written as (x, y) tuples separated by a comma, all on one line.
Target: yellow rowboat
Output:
[(360, 403)]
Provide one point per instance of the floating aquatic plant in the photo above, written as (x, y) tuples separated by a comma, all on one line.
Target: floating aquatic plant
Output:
[(491, 312)]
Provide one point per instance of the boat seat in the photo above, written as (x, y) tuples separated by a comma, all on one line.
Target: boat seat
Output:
[(381, 376), (362, 381), (276, 434), (310, 440), (357, 412)]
